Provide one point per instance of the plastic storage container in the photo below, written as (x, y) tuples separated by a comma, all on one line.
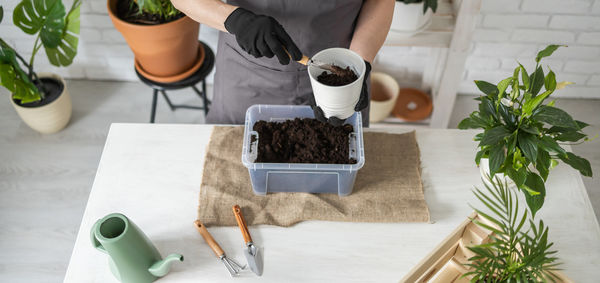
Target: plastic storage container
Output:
[(299, 177)]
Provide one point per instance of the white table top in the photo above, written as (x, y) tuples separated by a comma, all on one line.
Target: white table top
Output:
[(152, 174)]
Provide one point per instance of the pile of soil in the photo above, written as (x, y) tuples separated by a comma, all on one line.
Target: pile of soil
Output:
[(129, 11), (340, 77), (303, 141)]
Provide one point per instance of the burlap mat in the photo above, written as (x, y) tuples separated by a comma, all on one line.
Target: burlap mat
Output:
[(387, 189)]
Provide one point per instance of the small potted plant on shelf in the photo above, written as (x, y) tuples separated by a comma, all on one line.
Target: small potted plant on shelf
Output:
[(163, 40), (505, 245), (412, 16), (41, 99), (522, 133)]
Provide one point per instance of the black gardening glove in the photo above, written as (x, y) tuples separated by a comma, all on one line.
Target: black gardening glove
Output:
[(362, 103), (261, 36)]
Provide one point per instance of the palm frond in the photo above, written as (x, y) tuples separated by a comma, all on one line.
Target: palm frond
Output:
[(516, 253)]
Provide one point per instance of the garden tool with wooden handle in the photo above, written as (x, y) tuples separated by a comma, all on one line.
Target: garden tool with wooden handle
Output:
[(251, 251), (232, 266), (317, 64)]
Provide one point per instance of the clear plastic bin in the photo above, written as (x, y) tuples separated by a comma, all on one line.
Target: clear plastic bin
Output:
[(299, 177)]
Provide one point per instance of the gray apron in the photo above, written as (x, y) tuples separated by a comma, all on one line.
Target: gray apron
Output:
[(242, 80)]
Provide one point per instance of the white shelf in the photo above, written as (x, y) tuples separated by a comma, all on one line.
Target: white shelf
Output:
[(450, 31), (394, 122)]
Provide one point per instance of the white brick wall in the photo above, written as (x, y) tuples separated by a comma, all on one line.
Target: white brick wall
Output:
[(529, 26), (507, 31)]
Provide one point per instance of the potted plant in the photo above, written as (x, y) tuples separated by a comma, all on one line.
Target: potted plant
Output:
[(505, 245), (41, 99), (163, 40), (514, 251), (522, 133), (412, 16)]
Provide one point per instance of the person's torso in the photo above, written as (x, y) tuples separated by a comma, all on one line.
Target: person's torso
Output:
[(314, 25)]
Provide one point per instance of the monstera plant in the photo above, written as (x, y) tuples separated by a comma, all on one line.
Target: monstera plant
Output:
[(57, 32), (523, 131)]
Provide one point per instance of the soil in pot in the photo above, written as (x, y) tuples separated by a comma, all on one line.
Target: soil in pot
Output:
[(338, 78), (303, 141), (53, 90), (129, 12)]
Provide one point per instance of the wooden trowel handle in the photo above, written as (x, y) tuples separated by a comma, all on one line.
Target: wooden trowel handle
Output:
[(209, 239), (242, 223), (303, 60)]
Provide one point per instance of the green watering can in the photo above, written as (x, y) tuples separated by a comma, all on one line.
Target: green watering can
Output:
[(132, 257)]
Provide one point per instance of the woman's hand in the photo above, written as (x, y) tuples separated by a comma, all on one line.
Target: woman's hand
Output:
[(261, 35)]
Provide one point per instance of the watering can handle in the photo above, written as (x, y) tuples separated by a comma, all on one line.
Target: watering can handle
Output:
[(95, 241)]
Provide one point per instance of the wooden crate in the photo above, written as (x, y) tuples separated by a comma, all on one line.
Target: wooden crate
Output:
[(446, 262)]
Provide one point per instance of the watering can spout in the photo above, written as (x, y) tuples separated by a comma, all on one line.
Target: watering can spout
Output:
[(162, 267)]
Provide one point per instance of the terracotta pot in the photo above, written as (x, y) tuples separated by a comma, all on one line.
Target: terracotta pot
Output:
[(49, 118), (164, 50)]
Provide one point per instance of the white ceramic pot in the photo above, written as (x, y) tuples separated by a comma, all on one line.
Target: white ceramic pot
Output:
[(49, 118), (384, 92), (338, 101), (409, 18)]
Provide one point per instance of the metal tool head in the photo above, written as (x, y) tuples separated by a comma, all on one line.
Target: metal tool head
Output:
[(254, 258), (232, 266), (329, 67)]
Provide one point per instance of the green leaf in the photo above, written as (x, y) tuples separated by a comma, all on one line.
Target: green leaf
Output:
[(494, 135), (532, 104), (571, 136), (546, 52), (556, 117), (528, 144), (534, 183), (487, 109), (524, 76), (549, 144), (511, 144), (45, 16), (518, 176), (502, 86), (478, 156), (543, 164), (1, 14), (578, 163), (468, 123), (581, 124), (537, 81), (530, 129), (550, 81), (486, 87), (507, 115), (13, 78), (497, 157), (65, 52)]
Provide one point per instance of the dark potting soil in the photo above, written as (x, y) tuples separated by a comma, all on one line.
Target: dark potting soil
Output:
[(53, 90), (303, 141), (338, 78), (128, 11)]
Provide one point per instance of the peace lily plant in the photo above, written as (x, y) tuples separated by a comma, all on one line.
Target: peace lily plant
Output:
[(522, 130)]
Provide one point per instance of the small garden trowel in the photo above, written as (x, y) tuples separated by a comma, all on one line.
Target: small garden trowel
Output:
[(250, 251)]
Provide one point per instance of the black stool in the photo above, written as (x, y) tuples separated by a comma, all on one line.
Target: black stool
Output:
[(191, 81)]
